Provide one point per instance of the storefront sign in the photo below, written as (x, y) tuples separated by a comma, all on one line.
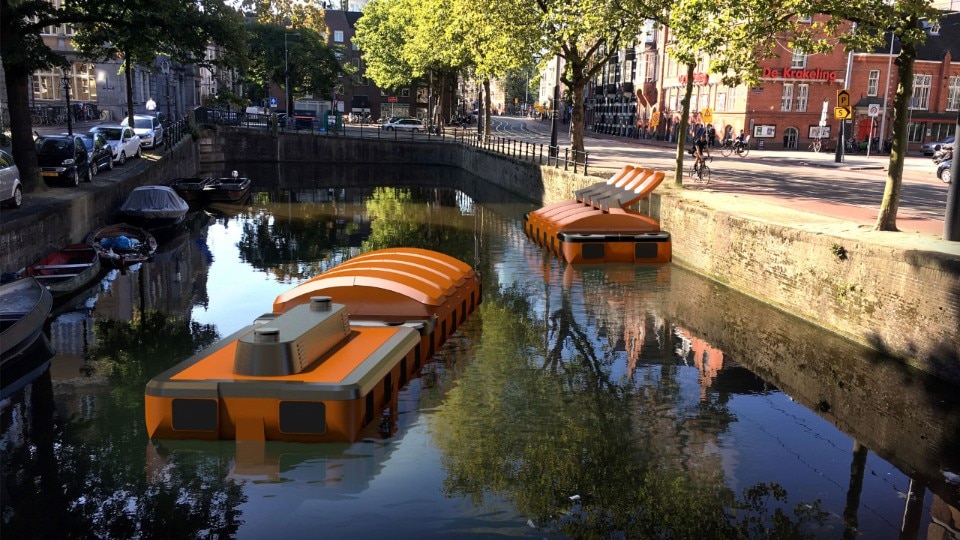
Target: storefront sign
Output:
[(808, 74)]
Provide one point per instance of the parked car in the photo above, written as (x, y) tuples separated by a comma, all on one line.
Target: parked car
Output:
[(930, 148), (63, 158), (403, 124), (101, 154), (11, 191), (124, 142), (943, 170), (148, 128)]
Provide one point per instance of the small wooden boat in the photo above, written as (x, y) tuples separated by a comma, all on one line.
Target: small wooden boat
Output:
[(122, 244), (191, 189), (313, 370), (67, 269), (232, 189), (154, 208), (24, 307)]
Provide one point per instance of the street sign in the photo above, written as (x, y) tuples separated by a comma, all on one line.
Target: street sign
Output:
[(843, 98), (655, 118), (823, 113), (707, 115), (273, 103), (842, 113), (873, 110)]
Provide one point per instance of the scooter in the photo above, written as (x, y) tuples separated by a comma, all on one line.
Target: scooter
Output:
[(942, 155)]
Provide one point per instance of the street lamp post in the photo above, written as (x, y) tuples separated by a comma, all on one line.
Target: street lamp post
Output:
[(65, 81), (286, 70)]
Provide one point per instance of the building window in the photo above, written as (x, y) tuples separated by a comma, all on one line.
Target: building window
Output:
[(787, 98), (921, 91), (802, 93), (915, 131), (405, 92), (873, 82), (953, 93), (721, 101), (799, 59), (338, 36)]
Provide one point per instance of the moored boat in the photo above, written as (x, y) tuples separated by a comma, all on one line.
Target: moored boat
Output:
[(600, 225), (232, 189), (24, 307), (190, 189), (154, 208), (318, 369), (122, 244), (67, 270)]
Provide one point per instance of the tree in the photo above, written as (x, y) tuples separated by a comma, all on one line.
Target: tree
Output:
[(139, 31), (24, 52)]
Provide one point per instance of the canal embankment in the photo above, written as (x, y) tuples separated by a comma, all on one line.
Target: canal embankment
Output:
[(897, 293)]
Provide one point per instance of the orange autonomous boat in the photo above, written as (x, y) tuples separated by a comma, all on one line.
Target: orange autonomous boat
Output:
[(599, 226), (332, 354)]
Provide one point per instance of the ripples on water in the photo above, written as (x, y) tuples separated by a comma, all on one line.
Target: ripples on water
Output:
[(589, 401)]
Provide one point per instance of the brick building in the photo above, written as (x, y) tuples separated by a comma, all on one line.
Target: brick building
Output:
[(785, 109)]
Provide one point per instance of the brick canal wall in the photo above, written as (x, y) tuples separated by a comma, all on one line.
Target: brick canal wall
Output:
[(855, 283)]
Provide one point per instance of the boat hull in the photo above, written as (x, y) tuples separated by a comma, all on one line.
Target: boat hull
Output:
[(307, 373), (25, 305), (67, 270), (115, 257), (334, 399)]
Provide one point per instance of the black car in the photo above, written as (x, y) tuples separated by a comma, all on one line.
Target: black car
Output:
[(63, 158), (101, 154)]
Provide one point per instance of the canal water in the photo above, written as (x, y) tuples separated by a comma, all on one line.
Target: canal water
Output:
[(613, 401)]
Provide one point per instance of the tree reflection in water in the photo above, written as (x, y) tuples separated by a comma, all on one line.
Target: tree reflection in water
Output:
[(70, 475), (547, 425)]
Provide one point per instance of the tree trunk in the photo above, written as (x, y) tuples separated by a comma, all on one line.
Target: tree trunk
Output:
[(684, 122), (128, 80), (576, 125), (887, 216), (21, 126)]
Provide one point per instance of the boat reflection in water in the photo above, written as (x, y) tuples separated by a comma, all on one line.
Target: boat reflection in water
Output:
[(587, 401)]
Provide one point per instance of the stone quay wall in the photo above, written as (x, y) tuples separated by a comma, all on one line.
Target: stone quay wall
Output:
[(66, 215)]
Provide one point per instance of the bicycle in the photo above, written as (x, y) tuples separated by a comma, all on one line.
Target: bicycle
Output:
[(700, 171), (816, 145), (734, 147)]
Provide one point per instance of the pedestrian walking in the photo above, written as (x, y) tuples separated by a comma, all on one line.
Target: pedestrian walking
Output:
[(711, 136)]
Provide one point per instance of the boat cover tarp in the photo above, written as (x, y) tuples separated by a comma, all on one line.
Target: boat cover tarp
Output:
[(154, 202)]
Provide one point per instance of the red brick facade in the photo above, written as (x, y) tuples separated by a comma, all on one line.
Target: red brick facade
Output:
[(785, 109)]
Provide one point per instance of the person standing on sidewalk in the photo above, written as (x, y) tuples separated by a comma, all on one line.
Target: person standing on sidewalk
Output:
[(711, 136)]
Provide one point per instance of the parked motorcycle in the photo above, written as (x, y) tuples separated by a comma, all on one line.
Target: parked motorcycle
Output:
[(942, 155)]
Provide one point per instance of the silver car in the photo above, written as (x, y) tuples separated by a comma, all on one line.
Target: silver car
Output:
[(403, 124), (124, 142), (148, 128), (11, 190)]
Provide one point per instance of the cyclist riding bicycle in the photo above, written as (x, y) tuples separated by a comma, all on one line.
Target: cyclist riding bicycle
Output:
[(700, 151)]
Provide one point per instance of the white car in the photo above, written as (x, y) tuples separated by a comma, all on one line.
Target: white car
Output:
[(11, 191), (124, 142), (403, 124), (148, 128)]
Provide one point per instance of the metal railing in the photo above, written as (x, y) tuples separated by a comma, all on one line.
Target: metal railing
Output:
[(539, 153)]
